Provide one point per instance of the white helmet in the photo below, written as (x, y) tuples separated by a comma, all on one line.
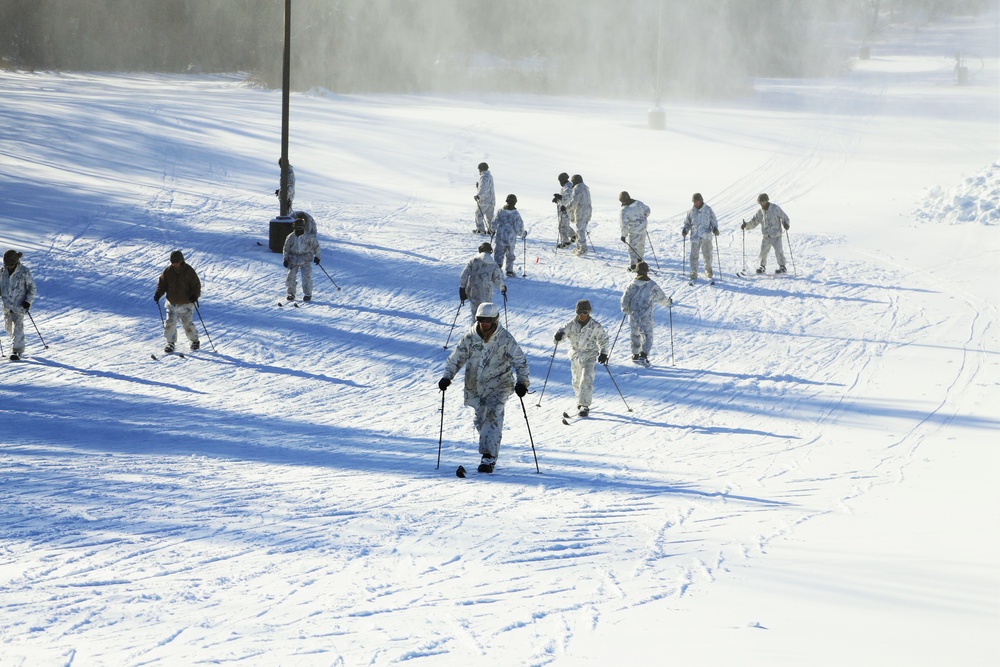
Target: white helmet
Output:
[(488, 309)]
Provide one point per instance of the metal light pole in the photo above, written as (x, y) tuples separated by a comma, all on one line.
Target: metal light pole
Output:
[(281, 226)]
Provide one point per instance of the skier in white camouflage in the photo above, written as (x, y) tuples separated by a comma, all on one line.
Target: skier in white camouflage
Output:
[(700, 220), (300, 252), (634, 218), (17, 291), (588, 347), (638, 302), (771, 219), (509, 227), (495, 367), (480, 277), (566, 234), (485, 200), (580, 209)]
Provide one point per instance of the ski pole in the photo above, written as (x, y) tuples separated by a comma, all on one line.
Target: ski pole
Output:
[(441, 434), (489, 227), (744, 228), (28, 313), (684, 253), (616, 387), (328, 276), (791, 255), (198, 310), (615, 342), (544, 384), (670, 313), (718, 259), (591, 242), (506, 322), (634, 252), (452, 330), (160, 308), (4, 354), (652, 250), (530, 439)]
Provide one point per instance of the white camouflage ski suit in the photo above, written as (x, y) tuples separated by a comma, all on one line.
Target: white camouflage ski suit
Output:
[(16, 288), (586, 342), (634, 220), (299, 252), (509, 228), (487, 201), (701, 224), (772, 222), (479, 278), (490, 367), (580, 210), (566, 233), (638, 302)]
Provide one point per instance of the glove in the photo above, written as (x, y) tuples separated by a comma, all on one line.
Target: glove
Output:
[(277, 193), (715, 231), (193, 298), (476, 197), (556, 198), (559, 336), (562, 209), (785, 225), (443, 383), (520, 390), (315, 260), (602, 358), (156, 297), (670, 300), (25, 305), (462, 294), (623, 239), (503, 290), (744, 225), (285, 263), (684, 232), (524, 235)]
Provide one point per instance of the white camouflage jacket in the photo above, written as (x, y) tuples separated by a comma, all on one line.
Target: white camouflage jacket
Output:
[(579, 206), (300, 250), (640, 297), (484, 189), (490, 367), (509, 226), (773, 219), (634, 219), (700, 222), (480, 277), (586, 340), (16, 287)]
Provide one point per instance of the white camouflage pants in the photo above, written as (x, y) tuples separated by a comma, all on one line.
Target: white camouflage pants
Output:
[(185, 313), (505, 253), (641, 337), (484, 219), (15, 329), (636, 248), (307, 278), (704, 244), (581, 237), (768, 242), (583, 379), (565, 229), (489, 423)]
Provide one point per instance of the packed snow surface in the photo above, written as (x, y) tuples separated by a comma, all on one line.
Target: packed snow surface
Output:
[(808, 473)]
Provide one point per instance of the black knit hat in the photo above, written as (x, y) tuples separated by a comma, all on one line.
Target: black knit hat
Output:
[(582, 306), (11, 257), (176, 256)]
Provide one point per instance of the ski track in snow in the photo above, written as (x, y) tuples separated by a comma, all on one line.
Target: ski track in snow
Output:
[(282, 492)]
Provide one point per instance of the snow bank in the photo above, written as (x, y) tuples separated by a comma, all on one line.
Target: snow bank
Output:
[(973, 200)]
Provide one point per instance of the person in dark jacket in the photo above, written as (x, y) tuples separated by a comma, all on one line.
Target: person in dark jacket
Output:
[(181, 285)]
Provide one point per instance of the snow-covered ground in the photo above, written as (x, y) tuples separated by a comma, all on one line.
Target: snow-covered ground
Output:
[(807, 475)]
